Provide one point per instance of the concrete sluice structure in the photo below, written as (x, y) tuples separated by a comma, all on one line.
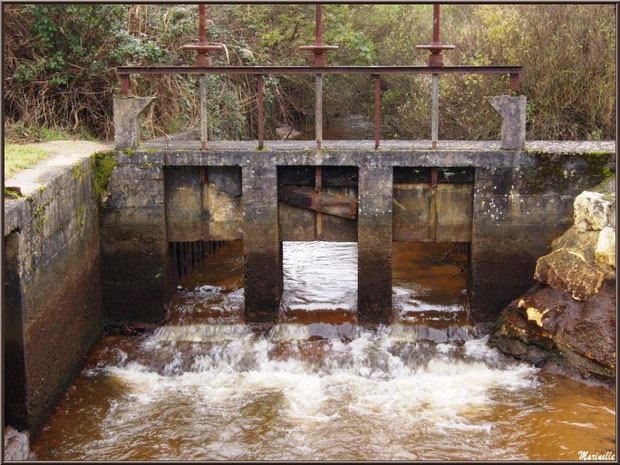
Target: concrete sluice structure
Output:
[(506, 204), (101, 243)]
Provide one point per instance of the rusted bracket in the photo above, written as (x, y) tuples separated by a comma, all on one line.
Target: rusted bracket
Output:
[(331, 204)]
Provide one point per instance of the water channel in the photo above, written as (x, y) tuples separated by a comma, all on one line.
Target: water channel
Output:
[(318, 386)]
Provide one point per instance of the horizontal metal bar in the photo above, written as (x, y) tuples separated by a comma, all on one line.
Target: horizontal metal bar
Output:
[(125, 70)]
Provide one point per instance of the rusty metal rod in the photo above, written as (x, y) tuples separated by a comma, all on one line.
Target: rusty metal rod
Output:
[(202, 23), (203, 112), (126, 70), (318, 184), (261, 129), (319, 23), (125, 85), (433, 219), (436, 22), (514, 82), (435, 111), (377, 111), (318, 111)]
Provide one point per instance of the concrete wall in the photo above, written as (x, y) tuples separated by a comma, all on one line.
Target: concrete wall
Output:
[(53, 313)]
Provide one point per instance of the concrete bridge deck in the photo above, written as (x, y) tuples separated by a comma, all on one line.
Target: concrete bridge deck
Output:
[(560, 146)]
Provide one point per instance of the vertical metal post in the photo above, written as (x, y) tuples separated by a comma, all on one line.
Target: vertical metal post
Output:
[(203, 112), (202, 24), (318, 181), (377, 110), (319, 23), (435, 111), (514, 82), (436, 22), (318, 111), (433, 219), (125, 85), (261, 130)]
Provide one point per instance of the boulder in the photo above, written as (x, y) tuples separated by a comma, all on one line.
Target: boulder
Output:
[(568, 270), (572, 265), (548, 326), (594, 211), (567, 321), (605, 252)]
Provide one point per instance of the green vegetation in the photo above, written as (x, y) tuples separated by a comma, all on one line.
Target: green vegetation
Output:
[(12, 193), (80, 214), (76, 171), (59, 60), (40, 217), (21, 157), (21, 133), (104, 164)]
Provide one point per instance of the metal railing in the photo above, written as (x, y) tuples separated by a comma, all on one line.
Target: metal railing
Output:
[(319, 49), (124, 73)]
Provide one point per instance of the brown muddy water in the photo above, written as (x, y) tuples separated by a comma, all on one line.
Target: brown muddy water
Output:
[(204, 386)]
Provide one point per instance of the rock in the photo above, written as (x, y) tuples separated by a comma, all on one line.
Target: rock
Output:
[(547, 324), (605, 251), (512, 347), (594, 211), (536, 355), (567, 322), (568, 270), (16, 444)]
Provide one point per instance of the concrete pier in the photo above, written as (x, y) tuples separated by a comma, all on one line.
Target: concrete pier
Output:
[(262, 246), (374, 240)]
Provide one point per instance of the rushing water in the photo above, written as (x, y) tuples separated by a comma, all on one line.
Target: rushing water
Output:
[(317, 386)]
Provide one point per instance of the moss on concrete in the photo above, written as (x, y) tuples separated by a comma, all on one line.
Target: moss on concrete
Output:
[(76, 171), (80, 214), (599, 163), (104, 164), (12, 193), (40, 217), (550, 170)]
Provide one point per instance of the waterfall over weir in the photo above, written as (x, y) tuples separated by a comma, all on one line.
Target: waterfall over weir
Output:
[(318, 385)]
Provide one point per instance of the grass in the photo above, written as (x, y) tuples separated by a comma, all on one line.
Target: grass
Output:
[(21, 157), (21, 133)]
